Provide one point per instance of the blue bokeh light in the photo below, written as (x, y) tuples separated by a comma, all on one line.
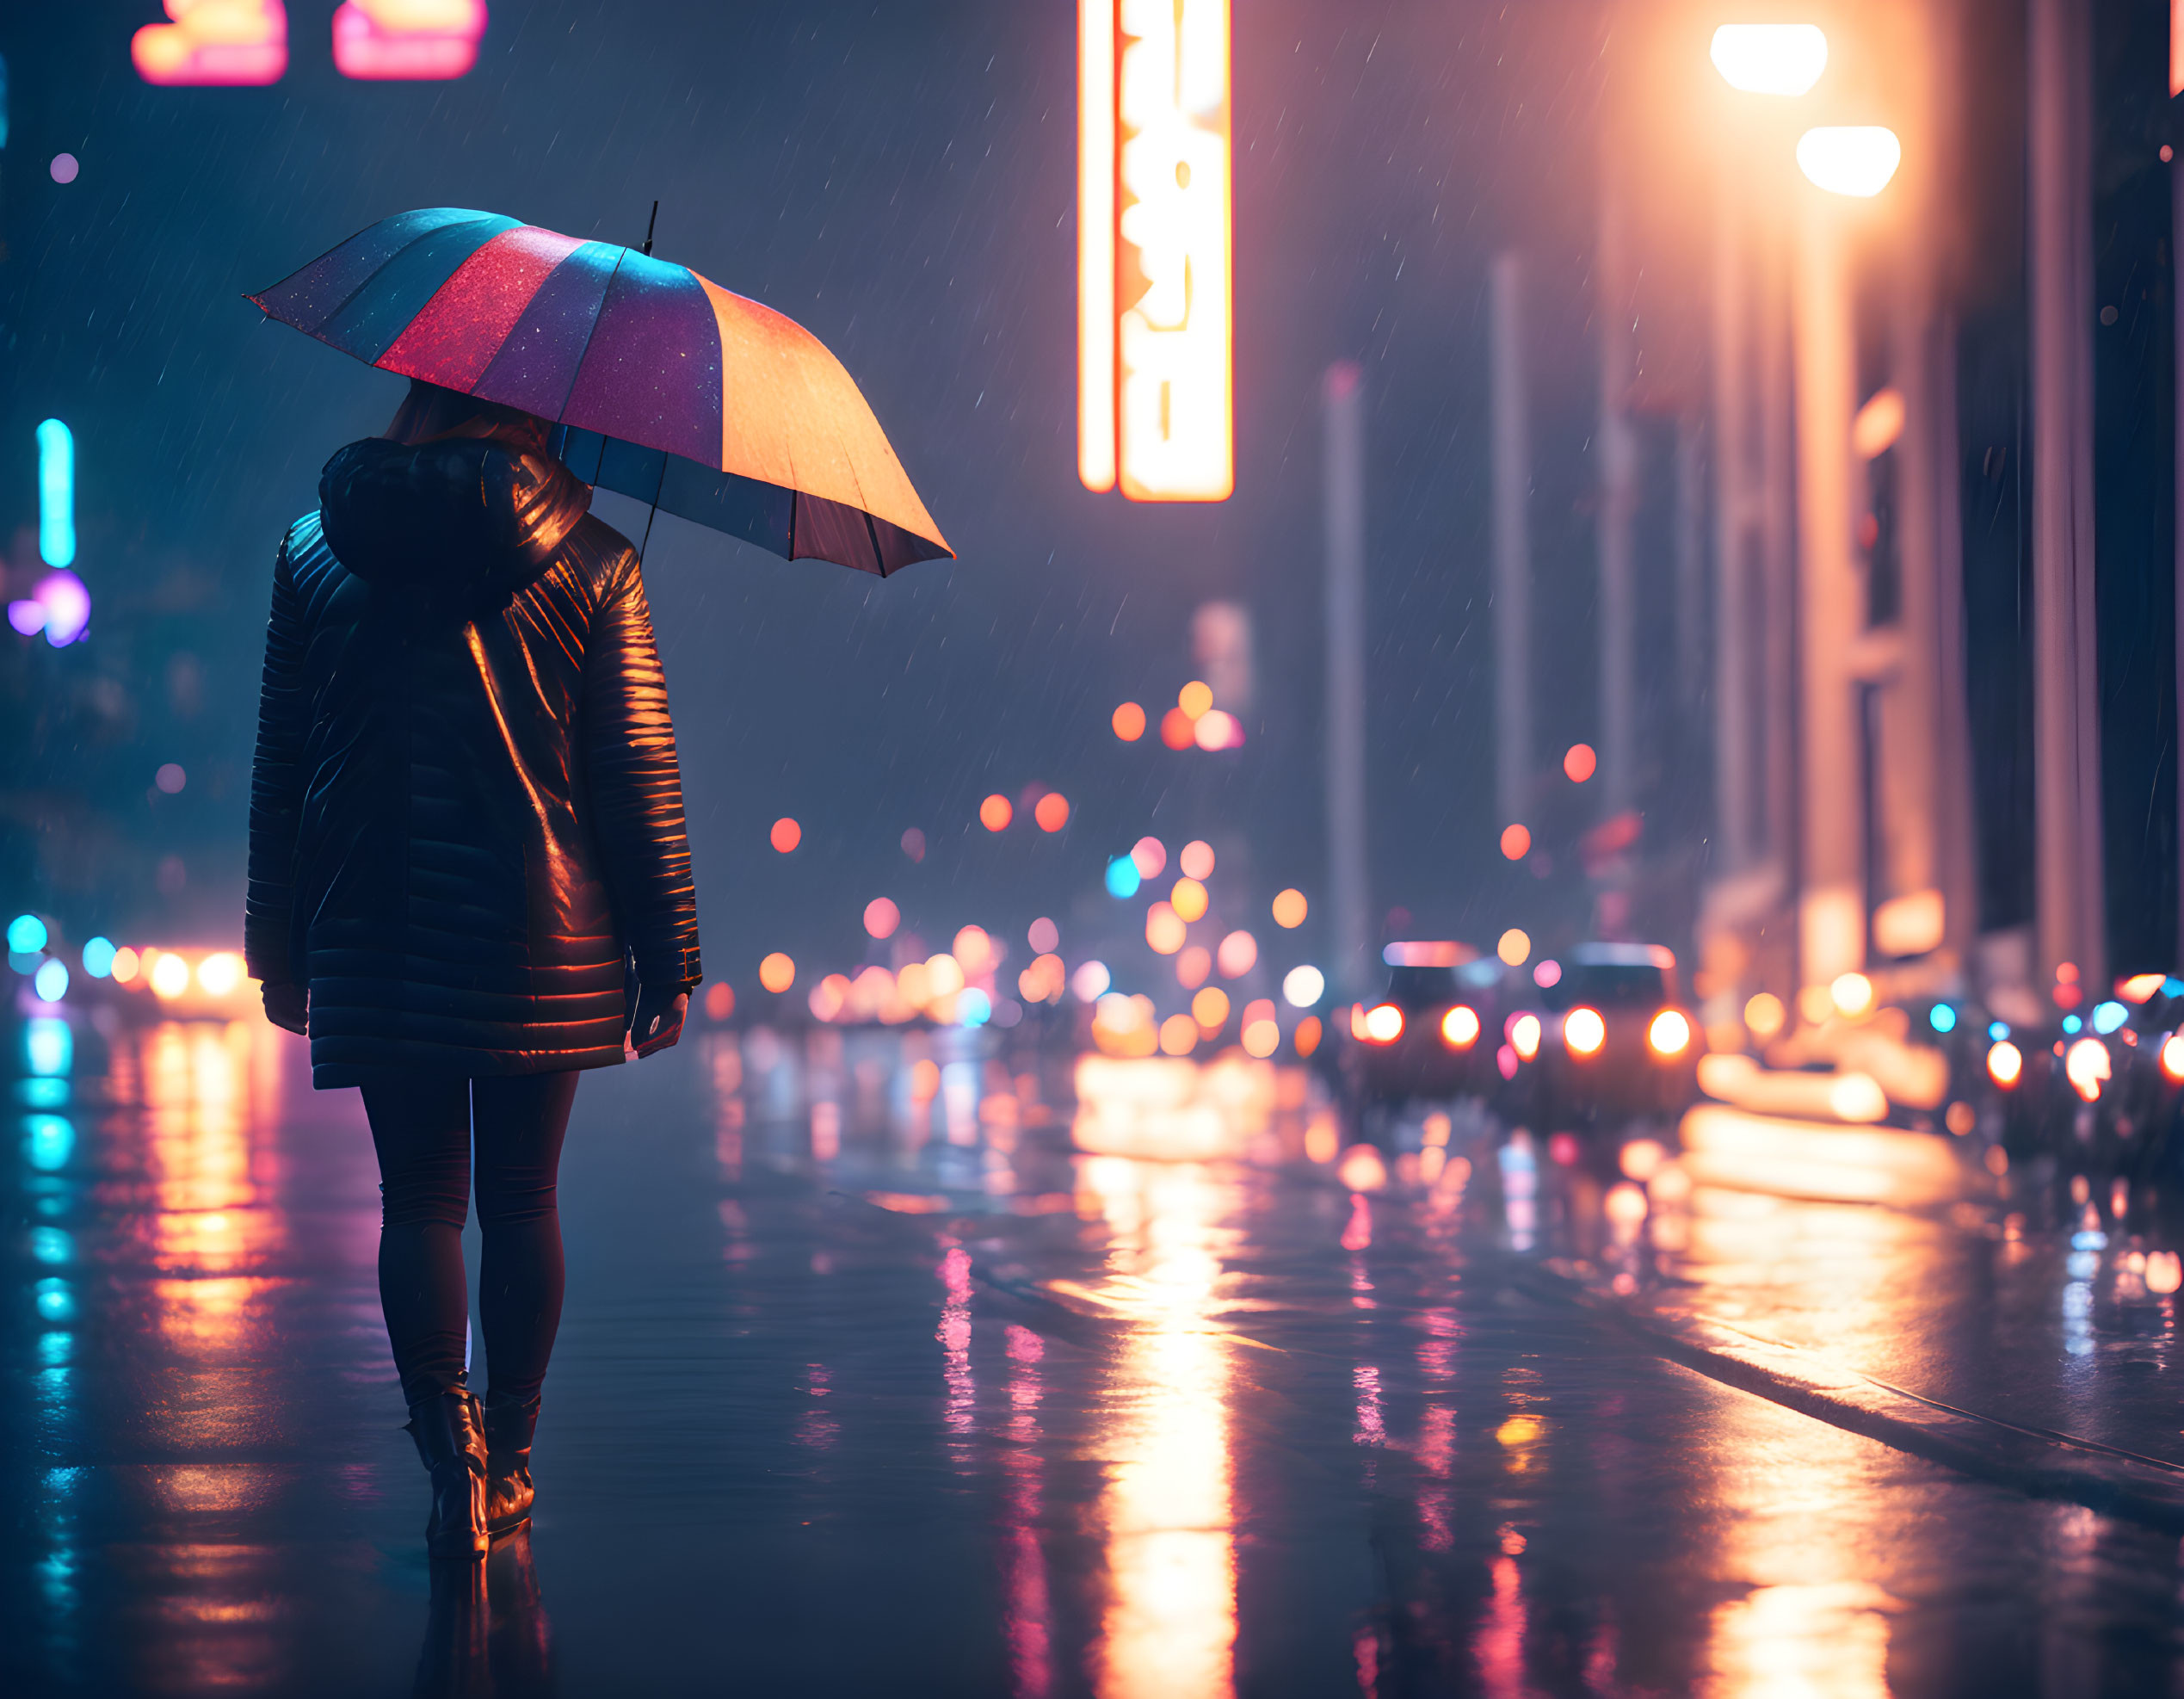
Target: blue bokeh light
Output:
[(1123, 878), (51, 1142), (2071, 1023), (48, 1046), (26, 934), (56, 494), (2107, 1017), (51, 980), (973, 1007), (98, 957), (1941, 1017)]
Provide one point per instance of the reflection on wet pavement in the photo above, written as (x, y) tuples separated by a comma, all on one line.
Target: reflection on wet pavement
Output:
[(903, 1361)]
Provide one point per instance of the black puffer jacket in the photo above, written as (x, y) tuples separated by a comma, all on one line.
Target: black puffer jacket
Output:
[(465, 806)]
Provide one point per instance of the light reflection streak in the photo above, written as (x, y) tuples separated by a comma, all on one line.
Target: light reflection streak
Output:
[(1168, 1629), (959, 1410), (1028, 1624)]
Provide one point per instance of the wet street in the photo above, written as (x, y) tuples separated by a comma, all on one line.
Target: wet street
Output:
[(896, 1364)]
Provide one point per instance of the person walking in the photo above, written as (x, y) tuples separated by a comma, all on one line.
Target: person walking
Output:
[(469, 880)]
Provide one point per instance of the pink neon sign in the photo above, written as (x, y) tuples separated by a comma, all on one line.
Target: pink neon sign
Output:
[(407, 40), (213, 43)]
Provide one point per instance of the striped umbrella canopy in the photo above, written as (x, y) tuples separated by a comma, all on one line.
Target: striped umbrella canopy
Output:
[(664, 385)]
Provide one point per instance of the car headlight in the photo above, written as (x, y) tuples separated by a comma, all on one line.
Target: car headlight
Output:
[(1383, 1023), (1668, 1035), (1583, 1031)]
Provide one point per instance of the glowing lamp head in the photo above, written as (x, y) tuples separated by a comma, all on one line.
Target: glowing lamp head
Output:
[(2087, 1065), (1856, 160), (1383, 1023), (2005, 1063), (1459, 1027), (1583, 1032), (1668, 1035), (1784, 59), (1524, 1036)]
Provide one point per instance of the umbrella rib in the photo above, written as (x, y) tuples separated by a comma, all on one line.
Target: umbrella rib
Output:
[(578, 370)]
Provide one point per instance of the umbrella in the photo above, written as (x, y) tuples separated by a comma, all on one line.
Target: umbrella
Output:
[(664, 385)]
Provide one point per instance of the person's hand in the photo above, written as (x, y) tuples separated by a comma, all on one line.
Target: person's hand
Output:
[(658, 1022), (287, 1005)]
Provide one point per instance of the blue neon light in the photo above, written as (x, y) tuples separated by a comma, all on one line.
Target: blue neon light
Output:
[(56, 494)]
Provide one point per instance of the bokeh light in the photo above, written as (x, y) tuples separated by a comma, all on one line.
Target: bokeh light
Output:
[(1196, 859), (1210, 1008), (169, 976), (1195, 698), (1238, 954), (1178, 1035), (1290, 909), (720, 1000), (1517, 842), (1765, 1015), (882, 917), (416, 42), (50, 982), (1090, 982), (27, 934), (974, 952), (127, 964), (1044, 937), (221, 973), (1303, 986), (914, 844), (1192, 966), (1216, 729), (1150, 856), (170, 779), (98, 957), (1053, 812), (64, 168), (1784, 59), (777, 973), (1163, 928), (1177, 729), (1129, 722), (1579, 763), (786, 835), (1851, 993), (1514, 946), (1189, 899), (996, 813), (1308, 1035), (1547, 974), (1123, 878)]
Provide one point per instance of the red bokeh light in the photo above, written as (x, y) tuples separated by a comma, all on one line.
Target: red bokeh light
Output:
[(786, 835)]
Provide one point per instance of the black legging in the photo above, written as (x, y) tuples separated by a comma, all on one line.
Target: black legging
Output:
[(422, 1128)]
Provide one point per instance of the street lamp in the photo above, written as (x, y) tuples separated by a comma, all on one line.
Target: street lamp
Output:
[(1851, 159), (1769, 58)]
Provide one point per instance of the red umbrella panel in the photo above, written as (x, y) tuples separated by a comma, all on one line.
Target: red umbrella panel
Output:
[(666, 388)]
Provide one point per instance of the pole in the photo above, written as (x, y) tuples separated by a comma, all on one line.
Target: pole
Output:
[(1342, 401), (1831, 917), (1738, 714), (2066, 731), (1618, 503), (1513, 730)]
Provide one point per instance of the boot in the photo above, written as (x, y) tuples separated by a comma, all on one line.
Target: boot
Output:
[(449, 1430), (508, 1493)]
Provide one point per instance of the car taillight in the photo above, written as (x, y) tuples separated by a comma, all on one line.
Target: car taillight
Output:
[(1583, 1031), (2087, 1065), (1668, 1034), (1524, 1036), (2005, 1063), (1459, 1027), (1383, 1023)]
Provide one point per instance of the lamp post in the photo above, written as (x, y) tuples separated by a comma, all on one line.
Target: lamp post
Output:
[(1855, 163)]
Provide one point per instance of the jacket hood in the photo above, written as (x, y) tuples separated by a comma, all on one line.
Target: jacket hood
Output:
[(456, 519)]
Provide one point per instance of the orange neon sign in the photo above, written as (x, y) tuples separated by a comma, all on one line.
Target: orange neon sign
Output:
[(1155, 380)]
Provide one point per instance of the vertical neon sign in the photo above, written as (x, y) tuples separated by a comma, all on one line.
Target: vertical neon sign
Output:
[(56, 494), (1155, 342)]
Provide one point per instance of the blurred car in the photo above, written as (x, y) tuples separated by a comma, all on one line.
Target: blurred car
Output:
[(1616, 1037), (1431, 1034)]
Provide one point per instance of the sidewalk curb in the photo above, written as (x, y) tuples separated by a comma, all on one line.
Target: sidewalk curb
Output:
[(2113, 1481)]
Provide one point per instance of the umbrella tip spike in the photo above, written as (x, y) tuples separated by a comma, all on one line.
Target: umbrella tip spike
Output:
[(648, 223)]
